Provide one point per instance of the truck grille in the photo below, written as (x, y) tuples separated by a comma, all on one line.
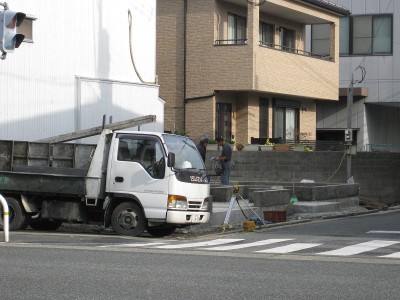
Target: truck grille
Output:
[(195, 204)]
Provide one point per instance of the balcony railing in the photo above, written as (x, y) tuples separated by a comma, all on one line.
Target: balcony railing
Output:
[(273, 46), (315, 145), (294, 50), (231, 42)]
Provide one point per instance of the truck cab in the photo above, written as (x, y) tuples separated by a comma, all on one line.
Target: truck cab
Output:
[(159, 178)]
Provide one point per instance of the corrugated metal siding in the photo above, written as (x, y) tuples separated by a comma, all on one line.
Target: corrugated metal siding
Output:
[(38, 96), (118, 100)]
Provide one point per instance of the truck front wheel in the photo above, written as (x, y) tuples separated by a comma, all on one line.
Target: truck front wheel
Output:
[(18, 218), (128, 219)]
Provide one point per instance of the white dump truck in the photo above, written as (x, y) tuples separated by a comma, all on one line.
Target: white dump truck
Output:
[(132, 180)]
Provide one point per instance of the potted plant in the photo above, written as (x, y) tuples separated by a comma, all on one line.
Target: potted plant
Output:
[(212, 145), (268, 146), (239, 147), (298, 147), (251, 147), (282, 147)]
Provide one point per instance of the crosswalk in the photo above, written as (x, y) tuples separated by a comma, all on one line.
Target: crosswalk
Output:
[(274, 246)]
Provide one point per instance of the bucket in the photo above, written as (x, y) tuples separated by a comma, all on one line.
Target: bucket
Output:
[(275, 216), (249, 226)]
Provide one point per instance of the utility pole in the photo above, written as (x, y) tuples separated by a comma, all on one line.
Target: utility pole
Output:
[(348, 133)]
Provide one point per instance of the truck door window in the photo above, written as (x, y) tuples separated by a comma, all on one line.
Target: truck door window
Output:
[(123, 151), (145, 151)]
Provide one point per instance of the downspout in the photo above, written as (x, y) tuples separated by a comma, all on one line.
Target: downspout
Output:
[(184, 63)]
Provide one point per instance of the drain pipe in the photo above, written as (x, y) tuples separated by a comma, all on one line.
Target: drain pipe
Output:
[(5, 218), (185, 7)]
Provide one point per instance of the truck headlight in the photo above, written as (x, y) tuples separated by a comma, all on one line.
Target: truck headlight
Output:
[(176, 201), (205, 204)]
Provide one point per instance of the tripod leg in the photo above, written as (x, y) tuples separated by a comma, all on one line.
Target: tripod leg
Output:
[(228, 213)]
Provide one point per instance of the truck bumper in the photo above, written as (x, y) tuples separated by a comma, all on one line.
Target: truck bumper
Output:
[(187, 217)]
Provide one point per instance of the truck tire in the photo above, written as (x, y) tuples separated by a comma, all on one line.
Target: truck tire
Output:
[(18, 218), (45, 224), (128, 219), (161, 230)]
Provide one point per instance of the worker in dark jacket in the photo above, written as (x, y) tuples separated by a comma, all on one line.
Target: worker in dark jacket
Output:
[(225, 158), (202, 147)]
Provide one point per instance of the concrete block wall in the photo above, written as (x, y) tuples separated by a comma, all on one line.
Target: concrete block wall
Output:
[(377, 174)]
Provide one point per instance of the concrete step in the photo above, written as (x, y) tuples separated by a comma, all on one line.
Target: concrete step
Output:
[(315, 206)]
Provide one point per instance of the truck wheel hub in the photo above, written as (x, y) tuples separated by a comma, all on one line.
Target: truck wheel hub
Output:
[(127, 219)]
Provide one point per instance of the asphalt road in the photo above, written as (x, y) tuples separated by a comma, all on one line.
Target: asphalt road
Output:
[(103, 266)]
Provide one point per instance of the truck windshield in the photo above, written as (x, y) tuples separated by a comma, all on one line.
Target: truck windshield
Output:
[(186, 154)]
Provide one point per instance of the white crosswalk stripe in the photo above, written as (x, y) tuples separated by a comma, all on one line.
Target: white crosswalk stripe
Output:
[(393, 255), (384, 231), (132, 245), (359, 248), (247, 245), (200, 244), (289, 248)]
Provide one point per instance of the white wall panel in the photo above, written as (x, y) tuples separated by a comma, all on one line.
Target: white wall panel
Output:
[(71, 38)]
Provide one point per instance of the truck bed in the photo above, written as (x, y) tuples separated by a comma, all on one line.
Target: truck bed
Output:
[(44, 168)]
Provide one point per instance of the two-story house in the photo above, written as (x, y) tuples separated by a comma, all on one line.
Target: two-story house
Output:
[(240, 69)]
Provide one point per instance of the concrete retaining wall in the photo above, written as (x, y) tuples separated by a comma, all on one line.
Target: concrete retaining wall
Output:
[(377, 174)]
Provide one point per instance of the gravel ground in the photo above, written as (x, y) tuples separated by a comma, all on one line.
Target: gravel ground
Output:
[(192, 231)]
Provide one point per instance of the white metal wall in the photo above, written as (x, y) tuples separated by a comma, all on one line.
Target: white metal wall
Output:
[(72, 38), (117, 100)]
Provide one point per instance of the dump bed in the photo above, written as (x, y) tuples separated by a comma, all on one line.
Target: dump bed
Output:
[(44, 168)]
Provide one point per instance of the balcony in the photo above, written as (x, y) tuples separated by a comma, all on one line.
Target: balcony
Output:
[(272, 68)]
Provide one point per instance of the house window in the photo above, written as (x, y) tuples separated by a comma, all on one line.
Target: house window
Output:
[(224, 121), (236, 29), (266, 34), (287, 39), (286, 119), (263, 119), (367, 35), (344, 36), (320, 39)]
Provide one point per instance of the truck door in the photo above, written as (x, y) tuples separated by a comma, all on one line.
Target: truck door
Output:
[(138, 168)]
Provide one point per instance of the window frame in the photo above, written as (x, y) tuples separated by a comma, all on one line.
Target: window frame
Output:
[(285, 35), (262, 33), (263, 130), (155, 165), (283, 105), (327, 38), (235, 39), (350, 37)]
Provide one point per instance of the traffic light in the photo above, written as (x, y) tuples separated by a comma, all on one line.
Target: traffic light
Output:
[(9, 38)]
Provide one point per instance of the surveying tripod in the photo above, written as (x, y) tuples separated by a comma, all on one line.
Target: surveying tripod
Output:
[(235, 198)]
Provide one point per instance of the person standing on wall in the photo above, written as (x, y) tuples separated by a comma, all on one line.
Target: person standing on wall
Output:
[(225, 158), (202, 147)]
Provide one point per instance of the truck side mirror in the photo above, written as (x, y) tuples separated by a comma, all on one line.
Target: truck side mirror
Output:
[(171, 160)]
